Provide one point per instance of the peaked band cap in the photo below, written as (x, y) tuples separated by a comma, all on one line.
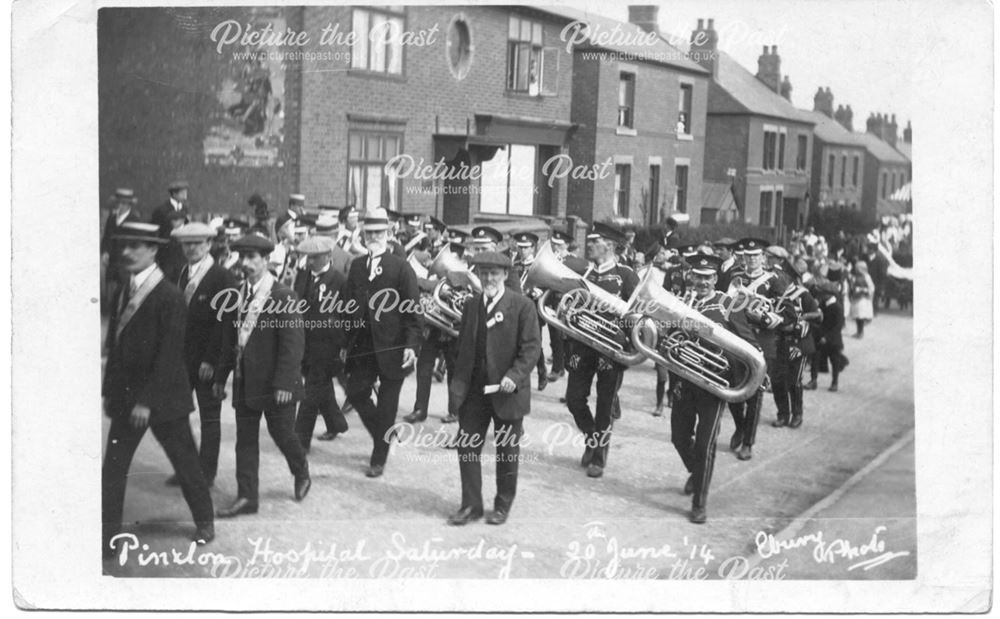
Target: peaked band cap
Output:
[(486, 234), (703, 264)]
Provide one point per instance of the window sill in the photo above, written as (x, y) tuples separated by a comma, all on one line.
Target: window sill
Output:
[(519, 94), (685, 137), (390, 77), (626, 131)]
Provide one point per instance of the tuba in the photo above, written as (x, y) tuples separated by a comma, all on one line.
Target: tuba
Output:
[(581, 311), (443, 306), (692, 346)]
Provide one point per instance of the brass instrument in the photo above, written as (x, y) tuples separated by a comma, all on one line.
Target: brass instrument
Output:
[(580, 311), (443, 306), (693, 347)]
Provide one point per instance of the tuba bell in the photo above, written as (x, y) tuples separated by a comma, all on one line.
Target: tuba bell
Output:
[(443, 306), (582, 311), (692, 346)]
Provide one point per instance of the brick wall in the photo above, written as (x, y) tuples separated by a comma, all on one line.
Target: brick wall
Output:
[(159, 73), (424, 100), (820, 189)]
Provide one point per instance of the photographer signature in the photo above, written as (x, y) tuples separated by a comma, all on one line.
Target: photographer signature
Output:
[(872, 553)]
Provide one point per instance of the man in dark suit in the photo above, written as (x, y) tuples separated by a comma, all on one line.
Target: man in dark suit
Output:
[(201, 280), (318, 285), (264, 347), (124, 210), (730, 265), (176, 202), (499, 344), (527, 244), (383, 333), (145, 384)]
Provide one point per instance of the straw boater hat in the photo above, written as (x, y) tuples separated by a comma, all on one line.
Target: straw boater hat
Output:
[(194, 231), (124, 194), (138, 231), (375, 220)]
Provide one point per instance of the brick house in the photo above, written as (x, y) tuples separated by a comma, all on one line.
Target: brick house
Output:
[(755, 140), (886, 170), (639, 107), (837, 165), (473, 114)]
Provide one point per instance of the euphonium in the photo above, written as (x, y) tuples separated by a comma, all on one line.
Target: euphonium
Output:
[(694, 347), (444, 308), (582, 308)]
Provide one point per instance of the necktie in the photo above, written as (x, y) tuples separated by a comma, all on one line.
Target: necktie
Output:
[(127, 294)]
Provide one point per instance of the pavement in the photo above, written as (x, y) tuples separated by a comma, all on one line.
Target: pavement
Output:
[(785, 514)]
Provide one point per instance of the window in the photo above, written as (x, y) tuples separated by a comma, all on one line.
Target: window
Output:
[(622, 179), (830, 171), (524, 56), (800, 155), (885, 183), (459, 47), (770, 148), (654, 194), (369, 183), (680, 198), (507, 182), (626, 100), (854, 171), (684, 118), (378, 40), (779, 197), (893, 177), (766, 204), (781, 150), (843, 170)]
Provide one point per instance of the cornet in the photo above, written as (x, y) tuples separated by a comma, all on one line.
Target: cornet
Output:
[(581, 313), (692, 346)]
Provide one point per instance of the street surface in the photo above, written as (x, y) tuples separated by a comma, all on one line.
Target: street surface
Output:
[(632, 523)]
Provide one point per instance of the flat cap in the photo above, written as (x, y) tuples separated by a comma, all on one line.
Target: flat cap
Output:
[(194, 231), (253, 242), (315, 246), (177, 185), (777, 251), (491, 259)]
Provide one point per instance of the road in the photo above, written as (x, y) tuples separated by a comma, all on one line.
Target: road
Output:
[(632, 523)]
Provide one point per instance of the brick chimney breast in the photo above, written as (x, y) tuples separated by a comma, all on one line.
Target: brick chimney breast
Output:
[(786, 89), (704, 47), (646, 16), (769, 68)]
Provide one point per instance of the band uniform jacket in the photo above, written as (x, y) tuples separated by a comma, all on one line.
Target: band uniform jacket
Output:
[(512, 348), (394, 330), (145, 363), (325, 335), (272, 359), (203, 337)]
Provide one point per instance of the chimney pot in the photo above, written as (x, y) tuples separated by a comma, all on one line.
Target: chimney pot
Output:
[(774, 49), (765, 50), (701, 24), (711, 23)]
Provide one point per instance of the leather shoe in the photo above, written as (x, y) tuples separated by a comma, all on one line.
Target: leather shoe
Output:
[(811, 385), (659, 411), (689, 486), (562, 400), (302, 486), (464, 515), (744, 453), (698, 515), (375, 470), (588, 456), (346, 408), (833, 387), (450, 418), (416, 416), (204, 534), (497, 517), (795, 422), (543, 382), (327, 436), (595, 471), (780, 422), (240, 506), (736, 440), (554, 376)]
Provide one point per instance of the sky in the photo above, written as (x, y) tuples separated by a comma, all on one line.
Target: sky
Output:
[(861, 49)]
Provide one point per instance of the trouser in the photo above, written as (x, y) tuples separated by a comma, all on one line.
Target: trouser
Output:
[(786, 379), (281, 426), (860, 322), (473, 420), (824, 352), (378, 418), (694, 428), (746, 416), (596, 426), (210, 412), (558, 343), (319, 399), (432, 348), (540, 364), (178, 443)]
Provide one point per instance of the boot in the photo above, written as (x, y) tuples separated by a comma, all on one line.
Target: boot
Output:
[(810, 386)]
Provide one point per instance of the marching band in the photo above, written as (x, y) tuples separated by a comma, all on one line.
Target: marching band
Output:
[(723, 322)]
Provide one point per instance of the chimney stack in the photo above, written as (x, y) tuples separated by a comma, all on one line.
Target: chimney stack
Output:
[(645, 16), (907, 134), (823, 101), (849, 117), (704, 47), (786, 89), (769, 68)]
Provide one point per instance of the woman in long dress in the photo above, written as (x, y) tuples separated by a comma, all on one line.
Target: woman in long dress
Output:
[(860, 296)]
